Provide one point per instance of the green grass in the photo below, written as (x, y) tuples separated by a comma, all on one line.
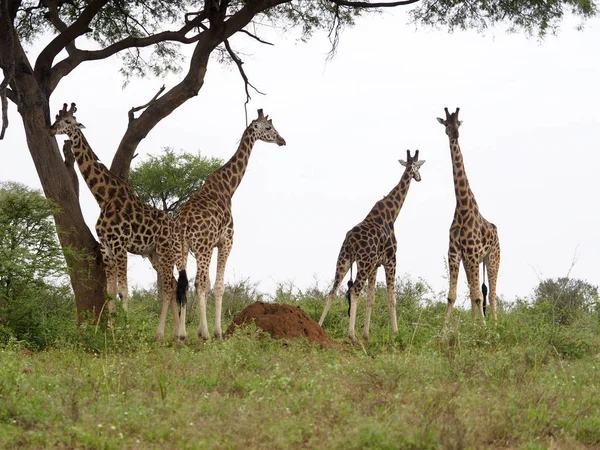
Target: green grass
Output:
[(527, 384)]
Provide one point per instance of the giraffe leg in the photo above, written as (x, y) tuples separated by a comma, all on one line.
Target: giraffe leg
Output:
[(168, 297), (160, 332), (223, 253), (472, 271), (361, 278), (167, 285), (453, 267), (111, 274), (343, 266), (390, 282), (493, 264), (111, 285), (202, 286), (370, 300), (174, 307), (122, 287), (164, 299)]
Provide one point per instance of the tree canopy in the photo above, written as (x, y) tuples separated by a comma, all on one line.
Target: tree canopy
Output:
[(29, 248), (168, 180), (31, 260), (567, 297), (148, 36)]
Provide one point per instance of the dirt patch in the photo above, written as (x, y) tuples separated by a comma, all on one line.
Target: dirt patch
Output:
[(282, 322)]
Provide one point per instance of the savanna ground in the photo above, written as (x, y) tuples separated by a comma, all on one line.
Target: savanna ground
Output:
[(532, 382)]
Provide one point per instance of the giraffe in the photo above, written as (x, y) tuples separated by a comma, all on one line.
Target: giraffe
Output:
[(205, 221), (126, 224), (372, 243), (472, 238)]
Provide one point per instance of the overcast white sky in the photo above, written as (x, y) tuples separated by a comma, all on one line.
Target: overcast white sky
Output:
[(530, 141)]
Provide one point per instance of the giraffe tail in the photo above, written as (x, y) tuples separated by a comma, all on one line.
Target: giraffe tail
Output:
[(348, 298), (484, 291), (182, 285)]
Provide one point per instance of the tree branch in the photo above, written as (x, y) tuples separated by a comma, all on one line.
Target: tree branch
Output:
[(138, 108), (76, 29), (354, 4), (7, 62), (255, 37), (55, 19), (64, 67), (190, 85), (238, 62)]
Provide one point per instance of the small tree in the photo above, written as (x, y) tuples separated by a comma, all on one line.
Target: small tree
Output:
[(34, 299), (567, 297), (169, 180), (29, 249)]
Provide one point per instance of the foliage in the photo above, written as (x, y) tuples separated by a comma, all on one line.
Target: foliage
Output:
[(531, 16), (28, 246), (169, 180), (514, 386), (33, 304), (42, 316), (117, 22), (566, 298)]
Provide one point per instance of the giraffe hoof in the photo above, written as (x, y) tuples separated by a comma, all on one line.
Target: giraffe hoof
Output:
[(160, 336), (205, 337)]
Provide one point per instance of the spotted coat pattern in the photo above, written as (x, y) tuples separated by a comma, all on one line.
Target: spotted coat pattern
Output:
[(473, 239), (372, 243), (205, 221), (126, 224)]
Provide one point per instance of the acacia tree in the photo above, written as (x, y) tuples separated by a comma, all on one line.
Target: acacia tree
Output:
[(168, 180), (130, 27)]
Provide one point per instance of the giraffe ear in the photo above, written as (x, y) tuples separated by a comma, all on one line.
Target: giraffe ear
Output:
[(420, 163), (440, 120), (402, 162), (80, 126)]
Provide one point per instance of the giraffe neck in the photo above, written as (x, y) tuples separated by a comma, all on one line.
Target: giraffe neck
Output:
[(227, 179), (96, 175), (393, 202), (465, 200)]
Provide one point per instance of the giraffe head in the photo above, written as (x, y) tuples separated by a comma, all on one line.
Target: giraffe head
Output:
[(262, 128), (412, 164), (451, 123), (65, 121)]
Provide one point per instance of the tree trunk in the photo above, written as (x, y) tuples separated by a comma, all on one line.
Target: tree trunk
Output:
[(81, 250)]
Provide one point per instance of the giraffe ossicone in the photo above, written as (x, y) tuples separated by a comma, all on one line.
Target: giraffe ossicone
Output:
[(372, 243)]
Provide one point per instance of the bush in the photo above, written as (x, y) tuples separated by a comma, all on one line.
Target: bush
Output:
[(36, 307), (565, 299), (40, 316)]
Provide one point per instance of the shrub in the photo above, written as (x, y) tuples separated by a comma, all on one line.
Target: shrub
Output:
[(566, 298)]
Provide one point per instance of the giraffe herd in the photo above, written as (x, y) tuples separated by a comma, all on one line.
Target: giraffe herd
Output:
[(205, 221)]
